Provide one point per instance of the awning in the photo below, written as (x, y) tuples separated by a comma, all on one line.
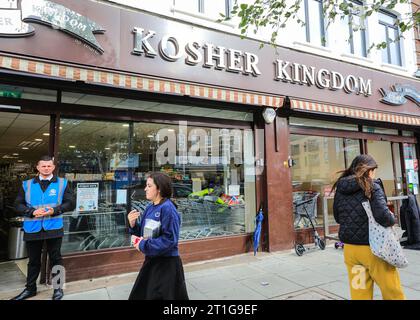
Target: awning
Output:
[(353, 112), (136, 82)]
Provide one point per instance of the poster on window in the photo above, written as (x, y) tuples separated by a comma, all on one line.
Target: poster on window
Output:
[(87, 197)]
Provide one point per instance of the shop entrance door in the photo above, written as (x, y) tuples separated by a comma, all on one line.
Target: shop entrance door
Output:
[(397, 167), (23, 139)]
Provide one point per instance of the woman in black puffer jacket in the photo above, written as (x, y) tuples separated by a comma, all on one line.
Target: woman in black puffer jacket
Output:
[(356, 185)]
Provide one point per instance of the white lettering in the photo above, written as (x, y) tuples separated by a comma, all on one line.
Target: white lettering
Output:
[(308, 76), (321, 82), (350, 85), (210, 55), (163, 48), (234, 58), (251, 61), (141, 44), (193, 55), (365, 87), (281, 73), (337, 81)]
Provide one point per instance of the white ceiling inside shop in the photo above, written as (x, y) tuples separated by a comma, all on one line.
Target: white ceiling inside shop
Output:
[(111, 102), (19, 131)]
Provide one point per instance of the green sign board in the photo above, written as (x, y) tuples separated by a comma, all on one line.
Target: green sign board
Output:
[(10, 94)]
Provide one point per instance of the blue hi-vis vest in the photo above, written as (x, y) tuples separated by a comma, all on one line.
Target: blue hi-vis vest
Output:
[(35, 198)]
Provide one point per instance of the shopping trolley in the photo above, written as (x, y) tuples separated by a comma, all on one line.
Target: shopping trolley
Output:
[(104, 231), (202, 219), (304, 209)]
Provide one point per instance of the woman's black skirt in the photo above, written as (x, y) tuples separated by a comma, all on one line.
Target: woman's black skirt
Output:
[(160, 278)]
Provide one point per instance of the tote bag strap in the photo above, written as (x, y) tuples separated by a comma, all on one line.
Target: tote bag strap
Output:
[(368, 210)]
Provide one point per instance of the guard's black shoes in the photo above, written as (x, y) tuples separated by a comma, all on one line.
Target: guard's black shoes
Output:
[(25, 294), (58, 294)]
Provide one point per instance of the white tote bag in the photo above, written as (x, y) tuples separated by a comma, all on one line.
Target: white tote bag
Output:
[(384, 242)]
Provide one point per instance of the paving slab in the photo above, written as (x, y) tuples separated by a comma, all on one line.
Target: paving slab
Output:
[(270, 285)]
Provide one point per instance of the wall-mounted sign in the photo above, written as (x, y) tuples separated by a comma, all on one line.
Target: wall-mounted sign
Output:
[(398, 94), (212, 56), (13, 20)]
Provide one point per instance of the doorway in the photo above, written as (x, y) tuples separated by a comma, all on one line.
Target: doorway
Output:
[(23, 139)]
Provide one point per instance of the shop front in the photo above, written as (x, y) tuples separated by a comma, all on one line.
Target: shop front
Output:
[(113, 94)]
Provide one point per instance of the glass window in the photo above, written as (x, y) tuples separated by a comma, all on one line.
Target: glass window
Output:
[(379, 130), (317, 161), (211, 9), (18, 92), (408, 133), (390, 35), (188, 5), (212, 171), (153, 106), (93, 158), (23, 140), (356, 30), (314, 22), (411, 169), (381, 151), (321, 124)]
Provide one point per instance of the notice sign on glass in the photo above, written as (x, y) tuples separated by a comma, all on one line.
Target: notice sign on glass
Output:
[(87, 196)]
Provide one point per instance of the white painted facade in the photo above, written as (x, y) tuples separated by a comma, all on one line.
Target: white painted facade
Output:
[(293, 35)]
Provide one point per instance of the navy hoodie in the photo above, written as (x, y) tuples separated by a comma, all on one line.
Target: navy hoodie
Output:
[(166, 243)]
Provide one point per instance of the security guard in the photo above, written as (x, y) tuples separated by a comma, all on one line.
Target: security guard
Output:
[(42, 201)]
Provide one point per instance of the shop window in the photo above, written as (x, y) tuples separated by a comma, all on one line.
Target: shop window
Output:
[(149, 106), (92, 158), (18, 92), (380, 130), (23, 140), (408, 133), (212, 171), (411, 169), (321, 124), (317, 161), (383, 154)]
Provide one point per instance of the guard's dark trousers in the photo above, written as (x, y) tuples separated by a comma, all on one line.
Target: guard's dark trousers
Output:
[(34, 249)]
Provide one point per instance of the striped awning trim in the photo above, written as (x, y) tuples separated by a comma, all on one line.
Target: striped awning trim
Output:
[(135, 82), (354, 113)]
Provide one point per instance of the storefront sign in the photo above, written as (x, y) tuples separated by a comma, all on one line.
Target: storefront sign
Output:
[(12, 20), (209, 55), (87, 196), (398, 94), (145, 44)]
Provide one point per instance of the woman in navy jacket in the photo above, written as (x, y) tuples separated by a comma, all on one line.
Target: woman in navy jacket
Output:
[(161, 276)]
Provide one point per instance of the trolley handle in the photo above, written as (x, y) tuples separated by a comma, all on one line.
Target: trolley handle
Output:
[(304, 202)]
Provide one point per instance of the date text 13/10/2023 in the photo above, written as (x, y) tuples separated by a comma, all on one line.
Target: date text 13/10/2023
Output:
[(212, 309)]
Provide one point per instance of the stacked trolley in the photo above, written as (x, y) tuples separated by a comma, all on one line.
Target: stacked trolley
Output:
[(104, 230), (305, 212), (203, 218)]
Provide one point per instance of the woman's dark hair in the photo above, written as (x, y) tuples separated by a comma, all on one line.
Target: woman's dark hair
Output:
[(163, 183), (360, 168)]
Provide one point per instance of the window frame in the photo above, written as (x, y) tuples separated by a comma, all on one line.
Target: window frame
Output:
[(362, 31), (321, 22), (394, 28)]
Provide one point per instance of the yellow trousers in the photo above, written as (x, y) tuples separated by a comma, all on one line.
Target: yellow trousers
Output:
[(364, 269)]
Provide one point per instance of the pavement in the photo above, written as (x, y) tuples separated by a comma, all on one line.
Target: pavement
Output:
[(317, 275)]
